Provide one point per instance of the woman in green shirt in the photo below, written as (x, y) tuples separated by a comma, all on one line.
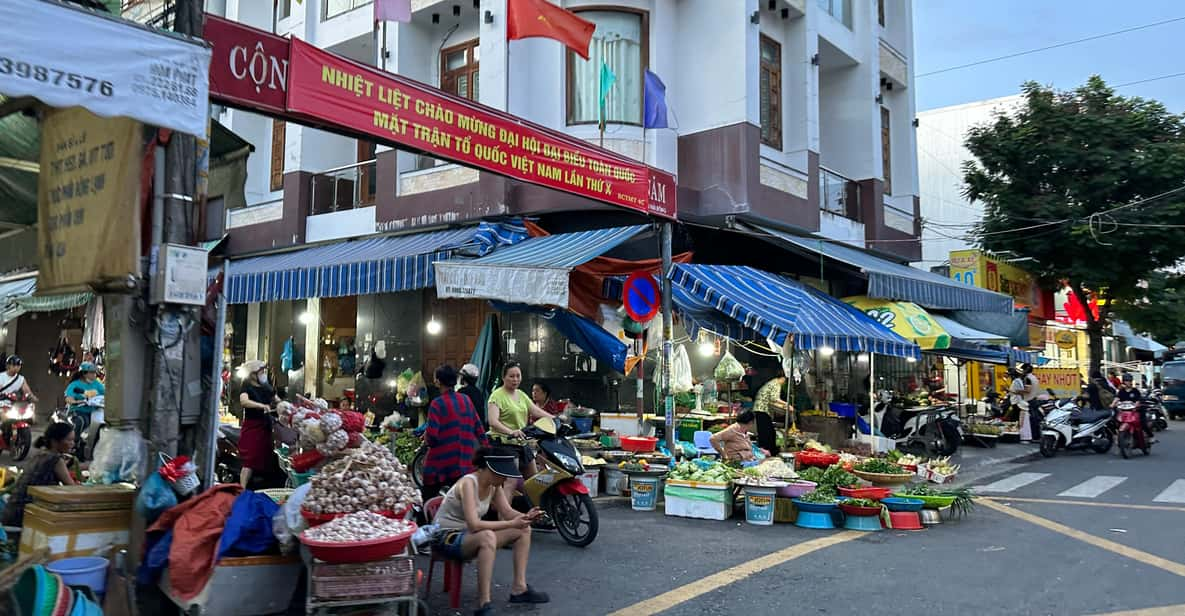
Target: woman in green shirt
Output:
[(509, 411)]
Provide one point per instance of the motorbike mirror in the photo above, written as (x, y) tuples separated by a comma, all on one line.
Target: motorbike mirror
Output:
[(546, 424)]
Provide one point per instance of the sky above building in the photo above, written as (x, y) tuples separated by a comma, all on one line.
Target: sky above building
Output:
[(950, 33)]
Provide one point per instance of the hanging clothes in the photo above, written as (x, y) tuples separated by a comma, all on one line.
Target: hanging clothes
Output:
[(94, 333)]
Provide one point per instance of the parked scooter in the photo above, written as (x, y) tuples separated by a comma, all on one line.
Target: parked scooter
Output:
[(1131, 431), (936, 430), (556, 488), (1069, 426), (1158, 420), (17, 412)]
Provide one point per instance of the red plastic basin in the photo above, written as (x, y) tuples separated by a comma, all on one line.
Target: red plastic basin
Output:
[(317, 519), (872, 493), (638, 443), (359, 551)]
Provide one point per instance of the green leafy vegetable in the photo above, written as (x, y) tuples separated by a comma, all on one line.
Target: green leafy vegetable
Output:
[(877, 465), (862, 502), (820, 495)]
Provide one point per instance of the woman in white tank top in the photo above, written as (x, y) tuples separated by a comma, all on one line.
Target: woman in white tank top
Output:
[(464, 535)]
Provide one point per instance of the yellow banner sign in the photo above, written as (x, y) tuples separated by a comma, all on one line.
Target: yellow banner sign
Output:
[(87, 199), (1065, 382)]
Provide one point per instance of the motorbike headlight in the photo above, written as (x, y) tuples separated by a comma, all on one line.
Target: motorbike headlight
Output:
[(570, 464)]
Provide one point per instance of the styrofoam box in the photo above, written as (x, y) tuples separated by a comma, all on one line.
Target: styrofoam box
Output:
[(590, 479), (693, 508), (622, 424)]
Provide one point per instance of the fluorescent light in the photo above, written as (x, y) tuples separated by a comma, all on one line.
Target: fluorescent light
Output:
[(305, 318), (434, 327), (826, 351), (707, 349), (912, 360)]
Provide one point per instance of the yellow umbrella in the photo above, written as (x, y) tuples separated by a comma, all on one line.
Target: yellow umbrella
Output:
[(907, 319)]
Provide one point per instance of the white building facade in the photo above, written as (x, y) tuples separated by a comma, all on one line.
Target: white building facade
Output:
[(947, 216), (794, 113)]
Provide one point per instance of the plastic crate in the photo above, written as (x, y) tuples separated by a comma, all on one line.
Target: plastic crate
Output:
[(687, 499)]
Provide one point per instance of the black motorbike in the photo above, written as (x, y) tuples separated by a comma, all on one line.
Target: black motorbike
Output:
[(16, 413), (933, 430), (227, 464)]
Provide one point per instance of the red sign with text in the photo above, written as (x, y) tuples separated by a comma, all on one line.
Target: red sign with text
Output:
[(334, 91), (248, 67)]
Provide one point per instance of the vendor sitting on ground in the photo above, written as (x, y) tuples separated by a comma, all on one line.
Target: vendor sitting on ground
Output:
[(733, 442), (465, 535), (46, 467)]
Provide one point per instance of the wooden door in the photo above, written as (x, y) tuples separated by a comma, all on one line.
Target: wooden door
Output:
[(461, 321)]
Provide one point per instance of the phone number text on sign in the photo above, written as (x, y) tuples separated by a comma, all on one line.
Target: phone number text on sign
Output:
[(58, 77)]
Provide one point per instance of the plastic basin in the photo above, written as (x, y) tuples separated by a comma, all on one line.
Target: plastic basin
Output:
[(317, 519), (638, 443), (814, 507), (809, 457), (897, 503), (797, 488), (89, 571), (854, 510), (931, 502), (873, 493), (358, 551), (583, 424)]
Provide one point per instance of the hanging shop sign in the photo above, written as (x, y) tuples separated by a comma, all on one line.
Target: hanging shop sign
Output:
[(1065, 382), (109, 66), (977, 269), (329, 90), (1065, 340), (87, 199), (249, 67), (540, 286)]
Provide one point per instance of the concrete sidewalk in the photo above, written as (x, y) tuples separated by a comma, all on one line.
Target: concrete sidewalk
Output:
[(978, 463)]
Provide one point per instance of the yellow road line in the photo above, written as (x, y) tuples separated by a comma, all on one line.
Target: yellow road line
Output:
[(1168, 610), (1054, 501), (1118, 548), (728, 576)]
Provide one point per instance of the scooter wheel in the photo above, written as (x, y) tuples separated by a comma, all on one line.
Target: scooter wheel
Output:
[(575, 517), (1125, 443), (1048, 446), (22, 441)]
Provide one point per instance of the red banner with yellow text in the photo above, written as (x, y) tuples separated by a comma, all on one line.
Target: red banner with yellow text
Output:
[(329, 89)]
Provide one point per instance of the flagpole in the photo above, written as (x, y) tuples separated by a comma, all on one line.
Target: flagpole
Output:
[(507, 74)]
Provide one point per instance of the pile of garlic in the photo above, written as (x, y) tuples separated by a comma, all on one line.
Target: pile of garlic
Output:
[(360, 526), (368, 478)]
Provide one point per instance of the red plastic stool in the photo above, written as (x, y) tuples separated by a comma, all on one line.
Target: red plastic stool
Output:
[(452, 579)]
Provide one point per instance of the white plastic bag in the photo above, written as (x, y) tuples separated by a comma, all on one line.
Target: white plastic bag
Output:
[(120, 456), (681, 380), (292, 518)]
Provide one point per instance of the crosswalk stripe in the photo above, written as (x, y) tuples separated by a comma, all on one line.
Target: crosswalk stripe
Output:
[(1094, 486), (1009, 484), (1175, 493)]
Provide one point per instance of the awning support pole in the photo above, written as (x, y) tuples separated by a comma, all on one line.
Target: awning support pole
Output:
[(668, 401)]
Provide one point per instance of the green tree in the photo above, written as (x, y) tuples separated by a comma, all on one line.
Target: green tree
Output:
[(1082, 182), (1160, 310)]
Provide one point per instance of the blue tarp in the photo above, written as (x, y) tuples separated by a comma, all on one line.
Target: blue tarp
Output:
[(248, 529), (746, 303), (582, 332)]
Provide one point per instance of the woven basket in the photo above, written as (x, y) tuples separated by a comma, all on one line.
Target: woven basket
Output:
[(394, 577)]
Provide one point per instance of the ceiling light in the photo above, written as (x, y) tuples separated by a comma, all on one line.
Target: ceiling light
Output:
[(434, 327), (826, 351), (305, 318), (707, 349)]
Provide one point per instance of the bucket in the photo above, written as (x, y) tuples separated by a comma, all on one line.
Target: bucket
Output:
[(616, 482), (759, 505), (590, 479), (644, 492), (583, 424), (90, 571)]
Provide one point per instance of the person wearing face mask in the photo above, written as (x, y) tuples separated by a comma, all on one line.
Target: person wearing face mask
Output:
[(85, 386), (255, 435)]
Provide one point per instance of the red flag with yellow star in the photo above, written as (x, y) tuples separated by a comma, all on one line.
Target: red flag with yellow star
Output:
[(540, 18)]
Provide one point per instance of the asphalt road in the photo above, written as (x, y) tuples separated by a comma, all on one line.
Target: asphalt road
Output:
[(1084, 534)]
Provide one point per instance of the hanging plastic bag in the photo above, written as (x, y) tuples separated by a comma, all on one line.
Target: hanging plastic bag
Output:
[(119, 456), (681, 380), (156, 496), (729, 369)]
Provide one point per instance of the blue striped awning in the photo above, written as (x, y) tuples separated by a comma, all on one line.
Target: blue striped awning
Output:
[(357, 267), (890, 280), (759, 305), (534, 271)]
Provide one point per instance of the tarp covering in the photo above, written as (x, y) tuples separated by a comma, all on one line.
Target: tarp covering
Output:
[(582, 332), (1134, 340), (1014, 327), (958, 331), (746, 303), (890, 280)]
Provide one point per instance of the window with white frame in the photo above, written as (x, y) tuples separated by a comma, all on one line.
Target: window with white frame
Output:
[(620, 42)]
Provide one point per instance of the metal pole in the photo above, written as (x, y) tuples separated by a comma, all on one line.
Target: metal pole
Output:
[(872, 401), (207, 462), (668, 401), (641, 387)]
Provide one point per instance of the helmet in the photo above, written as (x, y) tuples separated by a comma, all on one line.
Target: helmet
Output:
[(88, 367), (1127, 377), (471, 371), (13, 360)]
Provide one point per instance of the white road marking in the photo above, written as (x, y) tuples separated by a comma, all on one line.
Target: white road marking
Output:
[(1009, 484), (1094, 486), (1175, 493)]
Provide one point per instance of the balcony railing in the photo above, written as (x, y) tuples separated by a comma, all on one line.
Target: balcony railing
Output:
[(838, 195), (899, 219), (343, 188)]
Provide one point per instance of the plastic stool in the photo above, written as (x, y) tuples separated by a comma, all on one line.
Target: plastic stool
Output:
[(905, 520), (862, 522), (451, 582), (816, 520)]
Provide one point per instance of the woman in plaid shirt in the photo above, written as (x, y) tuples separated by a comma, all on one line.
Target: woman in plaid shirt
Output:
[(454, 433)]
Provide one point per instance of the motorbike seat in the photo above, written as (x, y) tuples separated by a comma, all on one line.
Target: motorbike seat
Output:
[(1088, 416)]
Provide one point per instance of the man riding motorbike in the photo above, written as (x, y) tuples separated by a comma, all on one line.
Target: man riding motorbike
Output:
[(14, 383), (1128, 393)]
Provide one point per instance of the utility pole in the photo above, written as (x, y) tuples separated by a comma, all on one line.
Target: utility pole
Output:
[(667, 337)]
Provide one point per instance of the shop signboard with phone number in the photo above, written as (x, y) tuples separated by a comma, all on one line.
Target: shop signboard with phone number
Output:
[(110, 67)]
